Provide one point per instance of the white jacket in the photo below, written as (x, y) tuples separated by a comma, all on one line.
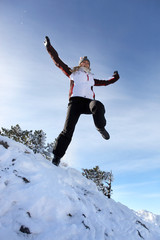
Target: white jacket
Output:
[(83, 84), (81, 81)]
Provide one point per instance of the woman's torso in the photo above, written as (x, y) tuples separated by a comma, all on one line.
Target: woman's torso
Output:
[(82, 83)]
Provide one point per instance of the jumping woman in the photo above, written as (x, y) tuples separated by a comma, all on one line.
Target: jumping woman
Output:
[(81, 100)]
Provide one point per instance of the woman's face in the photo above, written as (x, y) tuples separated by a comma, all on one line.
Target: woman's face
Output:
[(85, 63)]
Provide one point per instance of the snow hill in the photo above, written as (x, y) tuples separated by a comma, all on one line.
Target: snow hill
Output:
[(40, 201)]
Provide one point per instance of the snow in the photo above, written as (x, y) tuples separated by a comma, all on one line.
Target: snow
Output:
[(149, 217), (40, 201)]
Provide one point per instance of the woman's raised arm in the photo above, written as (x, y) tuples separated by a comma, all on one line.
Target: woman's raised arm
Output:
[(54, 55)]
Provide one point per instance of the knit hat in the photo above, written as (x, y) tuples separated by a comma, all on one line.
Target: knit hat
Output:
[(83, 59)]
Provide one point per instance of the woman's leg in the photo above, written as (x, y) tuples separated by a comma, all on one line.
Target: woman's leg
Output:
[(98, 111), (65, 137)]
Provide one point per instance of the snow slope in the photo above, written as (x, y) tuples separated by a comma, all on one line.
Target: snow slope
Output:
[(40, 201), (149, 217)]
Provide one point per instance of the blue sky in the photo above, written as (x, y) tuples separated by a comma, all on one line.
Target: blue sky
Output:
[(115, 35)]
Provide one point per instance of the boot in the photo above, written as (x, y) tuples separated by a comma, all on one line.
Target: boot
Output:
[(104, 133), (56, 160)]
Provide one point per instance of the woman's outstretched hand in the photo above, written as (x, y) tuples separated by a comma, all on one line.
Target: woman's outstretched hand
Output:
[(116, 75), (47, 42)]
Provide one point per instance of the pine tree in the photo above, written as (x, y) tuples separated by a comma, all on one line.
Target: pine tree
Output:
[(34, 140), (102, 179), (110, 180)]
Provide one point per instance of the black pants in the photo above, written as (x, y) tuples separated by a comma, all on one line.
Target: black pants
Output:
[(76, 107)]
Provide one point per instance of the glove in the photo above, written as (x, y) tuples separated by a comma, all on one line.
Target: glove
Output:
[(116, 75), (47, 42)]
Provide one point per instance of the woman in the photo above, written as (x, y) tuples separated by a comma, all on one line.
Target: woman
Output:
[(81, 100)]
